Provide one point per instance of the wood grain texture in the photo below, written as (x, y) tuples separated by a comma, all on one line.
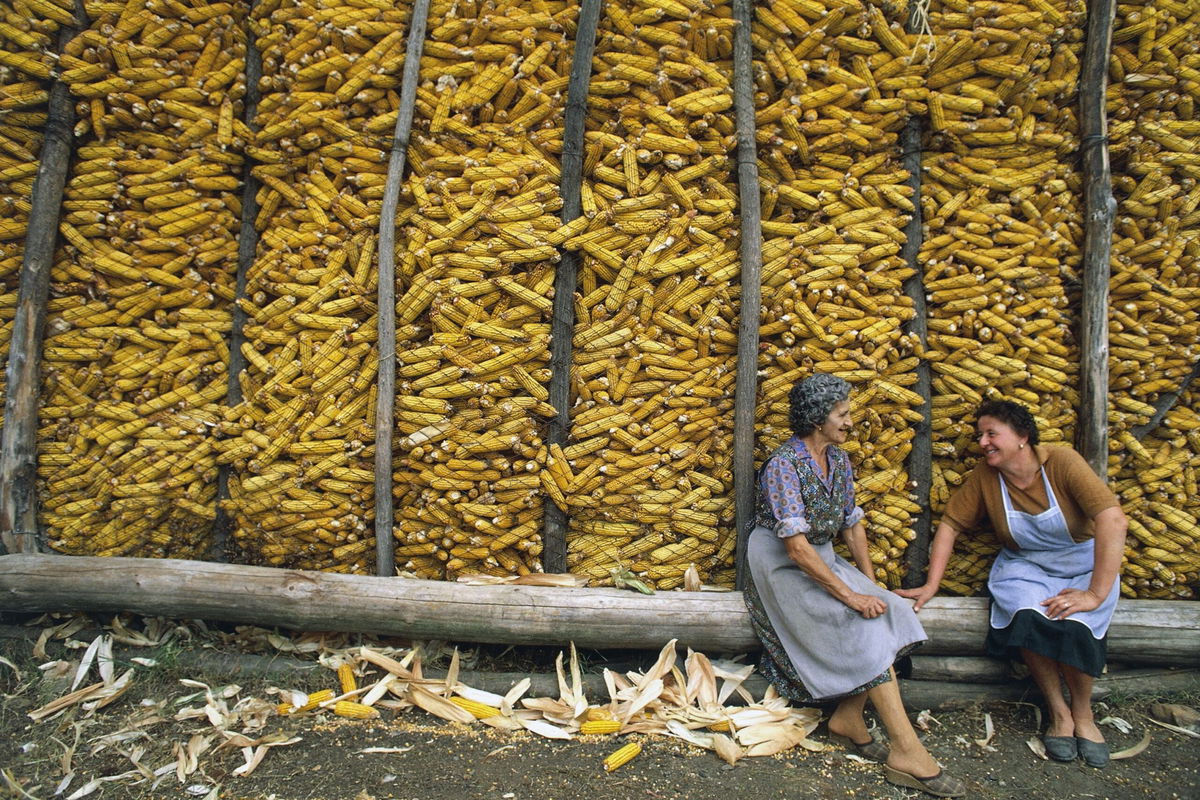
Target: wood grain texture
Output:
[(1142, 631)]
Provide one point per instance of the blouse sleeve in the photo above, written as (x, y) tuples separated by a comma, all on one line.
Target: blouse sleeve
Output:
[(966, 507), (852, 512), (781, 489)]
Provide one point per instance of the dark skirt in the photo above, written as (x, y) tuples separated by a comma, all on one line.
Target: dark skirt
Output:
[(1061, 640)]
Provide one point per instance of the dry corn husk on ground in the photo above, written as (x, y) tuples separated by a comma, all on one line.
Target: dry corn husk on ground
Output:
[(696, 699), (1003, 216), (27, 47), (688, 703), (135, 352), (475, 265), (841, 81), (1154, 314), (647, 479), (301, 443)]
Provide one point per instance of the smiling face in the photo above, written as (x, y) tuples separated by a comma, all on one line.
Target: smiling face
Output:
[(1000, 443), (836, 427)]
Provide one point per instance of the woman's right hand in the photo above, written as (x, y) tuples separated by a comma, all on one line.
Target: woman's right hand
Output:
[(867, 605), (920, 595)]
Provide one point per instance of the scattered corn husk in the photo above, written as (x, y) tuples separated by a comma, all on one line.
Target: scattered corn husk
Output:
[(1130, 752), (924, 719), (988, 733), (438, 705), (1120, 724), (13, 667), (1039, 749), (1176, 728), (726, 748)]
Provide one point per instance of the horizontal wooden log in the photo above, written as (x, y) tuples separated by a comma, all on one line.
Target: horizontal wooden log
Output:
[(968, 669), (1142, 632)]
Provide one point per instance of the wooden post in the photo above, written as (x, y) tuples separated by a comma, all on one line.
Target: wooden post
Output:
[(18, 439), (1099, 209), (247, 245), (749, 200), (385, 546), (920, 458), (562, 322)]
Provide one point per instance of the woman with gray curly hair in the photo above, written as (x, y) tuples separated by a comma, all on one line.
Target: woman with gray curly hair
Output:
[(829, 633)]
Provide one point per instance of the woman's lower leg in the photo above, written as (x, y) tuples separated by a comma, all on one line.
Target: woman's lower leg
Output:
[(907, 753), (847, 718), (1046, 675), (1080, 685)]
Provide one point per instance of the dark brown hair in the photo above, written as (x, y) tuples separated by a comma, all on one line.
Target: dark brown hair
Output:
[(1014, 415)]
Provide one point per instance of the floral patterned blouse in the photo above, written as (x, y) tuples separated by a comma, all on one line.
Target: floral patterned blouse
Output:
[(793, 496)]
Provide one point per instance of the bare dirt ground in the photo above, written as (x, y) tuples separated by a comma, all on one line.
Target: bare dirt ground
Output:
[(147, 744)]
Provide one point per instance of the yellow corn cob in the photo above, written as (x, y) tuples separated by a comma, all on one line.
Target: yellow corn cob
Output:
[(478, 710), (622, 756), (600, 726), (353, 710), (346, 680)]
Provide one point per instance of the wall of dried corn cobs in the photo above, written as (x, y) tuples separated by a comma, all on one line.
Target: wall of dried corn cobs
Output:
[(135, 419)]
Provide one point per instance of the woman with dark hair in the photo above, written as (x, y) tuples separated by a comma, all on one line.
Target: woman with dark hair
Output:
[(828, 631), (1054, 582)]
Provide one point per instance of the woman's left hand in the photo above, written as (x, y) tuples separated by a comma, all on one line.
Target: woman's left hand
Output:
[(1070, 601)]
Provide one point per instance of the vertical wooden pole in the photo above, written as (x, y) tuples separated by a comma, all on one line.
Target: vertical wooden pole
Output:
[(385, 547), (746, 386), (1099, 210), (920, 458), (247, 245), (562, 323), (18, 438)]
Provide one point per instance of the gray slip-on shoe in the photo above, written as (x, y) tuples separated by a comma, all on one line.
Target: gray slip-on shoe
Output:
[(1061, 748), (1095, 754)]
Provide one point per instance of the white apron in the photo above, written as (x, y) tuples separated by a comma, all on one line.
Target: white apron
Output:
[(1048, 561)]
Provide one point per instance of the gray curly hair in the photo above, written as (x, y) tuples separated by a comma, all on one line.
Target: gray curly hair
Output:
[(812, 399)]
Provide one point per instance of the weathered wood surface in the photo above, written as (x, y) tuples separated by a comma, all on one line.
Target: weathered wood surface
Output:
[(963, 669), (385, 377), (562, 320), (1099, 211), (18, 437), (1143, 631), (746, 386), (920, 458), (247, 246)]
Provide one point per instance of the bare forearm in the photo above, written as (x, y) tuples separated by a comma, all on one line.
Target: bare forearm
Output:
[(939, 553), (806, 558), (856, 539), (1110, 548)]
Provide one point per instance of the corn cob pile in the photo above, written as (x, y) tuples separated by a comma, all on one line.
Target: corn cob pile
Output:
[(836, 84), (302, 441), (1003, 211), (27, 49), (135, 353), (136, 359), (648, 480), (475, 263), (1154, 318)]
